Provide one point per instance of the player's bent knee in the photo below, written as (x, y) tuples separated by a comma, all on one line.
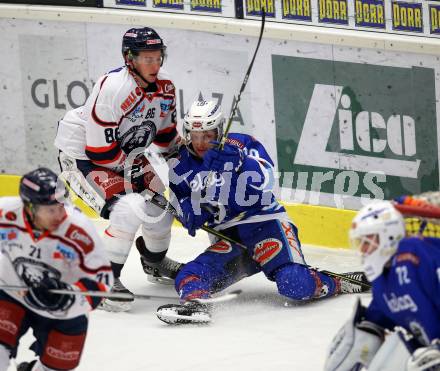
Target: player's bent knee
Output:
[(62, 351), (295, 282)]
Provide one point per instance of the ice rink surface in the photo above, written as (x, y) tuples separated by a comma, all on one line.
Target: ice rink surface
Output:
[(260, 330)]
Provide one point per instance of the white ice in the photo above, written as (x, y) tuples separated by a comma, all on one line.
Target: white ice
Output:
[(260, 330)]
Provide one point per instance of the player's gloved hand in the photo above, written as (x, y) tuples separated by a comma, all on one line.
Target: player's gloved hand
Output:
[(40, 296), (229, 158), (143, 175), (190, 220)]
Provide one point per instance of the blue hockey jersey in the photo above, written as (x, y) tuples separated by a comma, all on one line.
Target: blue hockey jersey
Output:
[(242, 196), (408, 293)]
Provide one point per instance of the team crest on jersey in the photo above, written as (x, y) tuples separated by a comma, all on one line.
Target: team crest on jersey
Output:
[(8, 234), (80, 237), (139, 136), (32, 271), (266, 250), (222, 247)]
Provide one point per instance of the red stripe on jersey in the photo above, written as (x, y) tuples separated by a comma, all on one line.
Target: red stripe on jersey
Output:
[(102, 82), (95, 116), (98, 120), (102, 149), (119, 154)]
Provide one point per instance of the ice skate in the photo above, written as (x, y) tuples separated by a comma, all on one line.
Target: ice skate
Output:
[(163, 271), (190, 312), (349, 287), (117, 305)]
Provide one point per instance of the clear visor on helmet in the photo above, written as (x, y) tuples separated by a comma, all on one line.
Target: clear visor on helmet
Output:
[(366, 245), (148, 61)]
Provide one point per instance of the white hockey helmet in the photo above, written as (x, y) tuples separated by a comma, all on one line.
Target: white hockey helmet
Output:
[(203, 116), (380, 224)]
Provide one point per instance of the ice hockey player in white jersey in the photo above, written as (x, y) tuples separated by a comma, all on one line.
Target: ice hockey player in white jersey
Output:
[(102, 154), (46, 244), (400, 328)]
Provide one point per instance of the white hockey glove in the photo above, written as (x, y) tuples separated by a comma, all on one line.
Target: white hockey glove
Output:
[(425, 358), (355, 343)]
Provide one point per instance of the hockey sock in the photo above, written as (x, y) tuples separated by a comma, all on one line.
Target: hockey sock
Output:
[(116, 268), (328, 284), (147, 254)]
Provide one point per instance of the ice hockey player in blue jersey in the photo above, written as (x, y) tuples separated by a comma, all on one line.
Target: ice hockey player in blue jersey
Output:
[(230, 189), (405, 277)]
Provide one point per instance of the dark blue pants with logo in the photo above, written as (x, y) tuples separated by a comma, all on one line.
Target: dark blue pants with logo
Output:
[(272, 247)]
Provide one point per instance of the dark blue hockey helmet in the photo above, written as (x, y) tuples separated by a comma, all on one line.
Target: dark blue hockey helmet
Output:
[(136, 40), (42, 187)]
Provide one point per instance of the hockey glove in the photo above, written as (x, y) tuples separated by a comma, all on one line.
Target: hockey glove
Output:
[(191, 220), (40, 296), (227, 159), (143, 176)]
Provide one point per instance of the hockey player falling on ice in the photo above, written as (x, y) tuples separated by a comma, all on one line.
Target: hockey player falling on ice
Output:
[(405, 276), (47, 245), (102, 157), (246, 210)]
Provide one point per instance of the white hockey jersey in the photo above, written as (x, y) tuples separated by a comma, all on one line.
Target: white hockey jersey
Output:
[(117, 117), (73, 254)]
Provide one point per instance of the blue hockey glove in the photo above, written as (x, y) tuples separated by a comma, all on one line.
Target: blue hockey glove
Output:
[(190, 220), (216, 159), (40, 296)]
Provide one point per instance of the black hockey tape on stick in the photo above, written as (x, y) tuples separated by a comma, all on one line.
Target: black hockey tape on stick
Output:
[(161, 202)]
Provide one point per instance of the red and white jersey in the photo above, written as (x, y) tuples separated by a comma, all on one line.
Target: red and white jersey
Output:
[(118, 115), (73, 254)]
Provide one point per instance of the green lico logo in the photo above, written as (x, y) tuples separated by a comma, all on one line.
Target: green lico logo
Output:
[(355, 129)]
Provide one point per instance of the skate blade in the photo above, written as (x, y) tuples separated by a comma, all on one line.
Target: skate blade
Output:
[(115, 306), (172, 318), (160, 280)]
